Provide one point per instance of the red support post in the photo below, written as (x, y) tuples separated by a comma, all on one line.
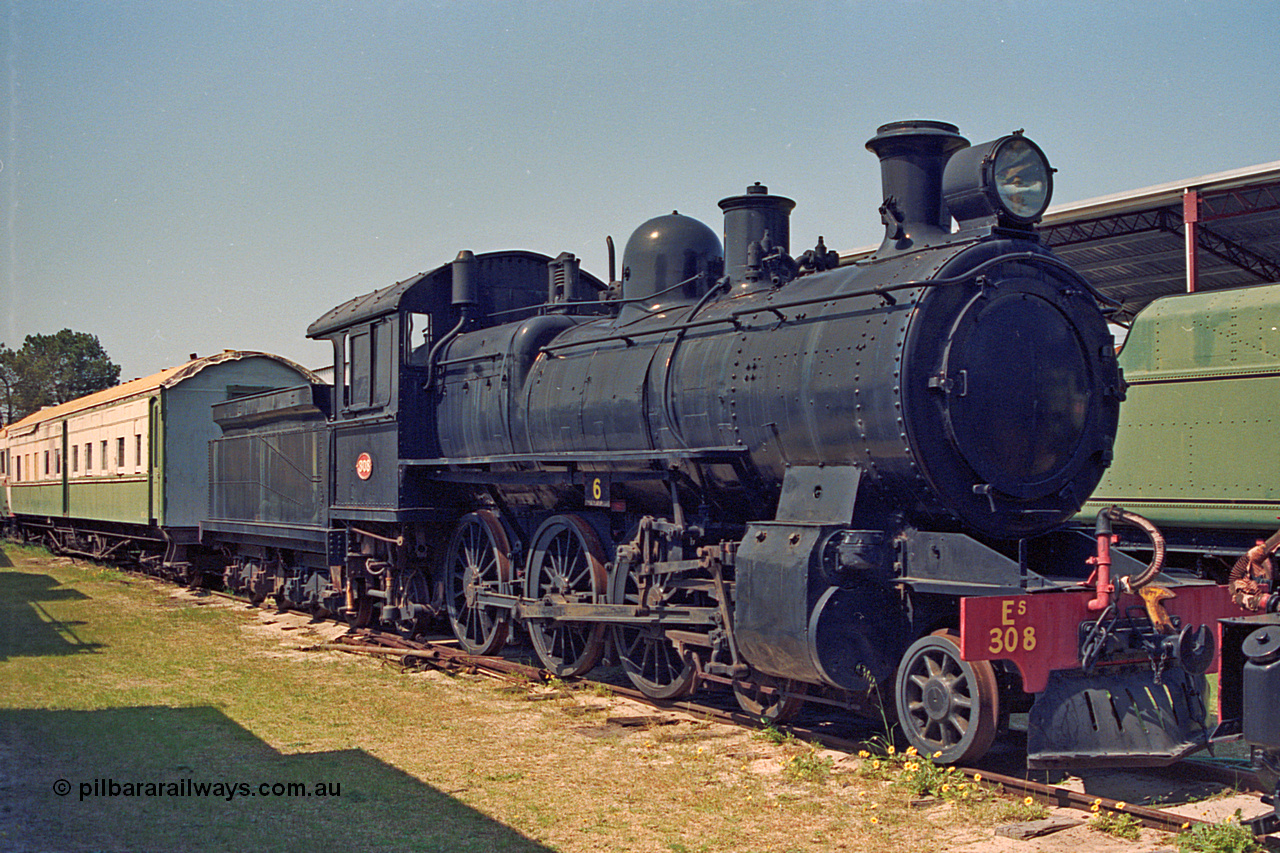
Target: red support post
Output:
[(1191, 227)]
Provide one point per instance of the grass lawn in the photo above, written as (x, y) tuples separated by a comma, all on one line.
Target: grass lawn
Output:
[(188, 705)]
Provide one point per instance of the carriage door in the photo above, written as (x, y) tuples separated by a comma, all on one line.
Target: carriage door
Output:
[(63, 462)]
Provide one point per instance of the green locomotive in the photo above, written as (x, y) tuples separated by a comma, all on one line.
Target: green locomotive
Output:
[(1191, 455)]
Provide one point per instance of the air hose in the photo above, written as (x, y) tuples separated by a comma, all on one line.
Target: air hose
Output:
[(1132, 584)]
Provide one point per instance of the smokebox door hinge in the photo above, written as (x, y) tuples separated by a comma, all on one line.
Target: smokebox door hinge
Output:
[(947, 385)]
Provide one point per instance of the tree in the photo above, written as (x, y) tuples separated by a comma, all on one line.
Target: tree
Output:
[(52, 369), (8, 378)]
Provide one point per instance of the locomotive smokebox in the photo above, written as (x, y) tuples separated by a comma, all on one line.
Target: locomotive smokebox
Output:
[(756, 217), (913, 155)]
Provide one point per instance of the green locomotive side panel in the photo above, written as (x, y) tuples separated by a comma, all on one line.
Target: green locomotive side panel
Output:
[(1200, 336), (1204, 376)]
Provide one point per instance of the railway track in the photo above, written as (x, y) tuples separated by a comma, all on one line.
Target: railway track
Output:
[(444, 656)]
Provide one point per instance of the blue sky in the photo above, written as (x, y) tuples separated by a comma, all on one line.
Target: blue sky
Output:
[(191, 176)]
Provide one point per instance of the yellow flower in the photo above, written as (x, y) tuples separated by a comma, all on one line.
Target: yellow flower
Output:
[(1187, 825), (977, 777), (1028, 801), (910, 766), (938, 754), (891, 750), (875, 765), (911, 750), (873, 819), (946, 788), (1120, 806), (862, 753)]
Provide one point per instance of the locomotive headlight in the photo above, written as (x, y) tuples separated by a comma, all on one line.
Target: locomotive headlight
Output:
[(1009, 179)]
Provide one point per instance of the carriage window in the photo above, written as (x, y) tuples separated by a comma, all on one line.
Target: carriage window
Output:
[(137, 450), (382, 345), (75, 458), (120, 452), (104, 454)]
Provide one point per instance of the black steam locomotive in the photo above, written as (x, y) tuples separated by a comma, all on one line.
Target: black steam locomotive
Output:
[(800, 479)]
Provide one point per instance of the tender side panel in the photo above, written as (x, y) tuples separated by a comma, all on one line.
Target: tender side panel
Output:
[(273, 477)]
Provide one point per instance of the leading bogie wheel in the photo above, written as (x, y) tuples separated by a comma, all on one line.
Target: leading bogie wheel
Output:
[(566, 565), (477, 560), (949, 708), (772, 700)]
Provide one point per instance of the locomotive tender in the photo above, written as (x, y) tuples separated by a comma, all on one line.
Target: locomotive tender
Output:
[(800, 480), (1201, 368)]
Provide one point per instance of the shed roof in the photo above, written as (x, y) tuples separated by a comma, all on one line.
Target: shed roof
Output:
[(1133, 246), (166, 378)]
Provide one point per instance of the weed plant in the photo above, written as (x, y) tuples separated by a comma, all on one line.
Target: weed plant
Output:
[(1114, 822), (1229, 836), (776, 736), (807, 767), (920, 777)]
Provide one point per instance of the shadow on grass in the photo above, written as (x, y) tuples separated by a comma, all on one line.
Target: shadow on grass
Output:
[(191, 779), (26, 628)]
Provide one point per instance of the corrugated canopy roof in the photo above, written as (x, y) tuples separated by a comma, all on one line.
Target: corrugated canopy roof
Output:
[(1132, 246)]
